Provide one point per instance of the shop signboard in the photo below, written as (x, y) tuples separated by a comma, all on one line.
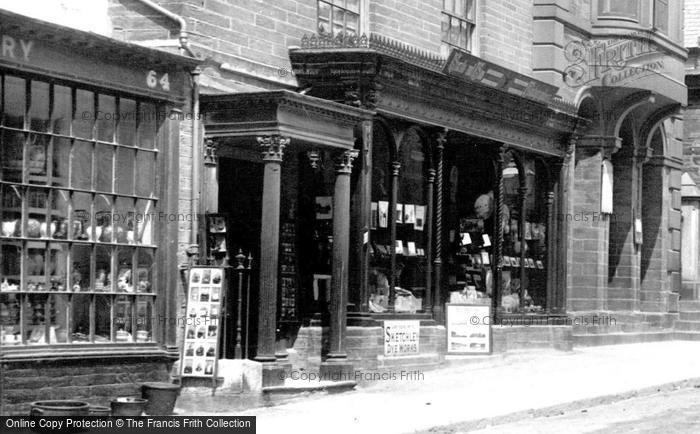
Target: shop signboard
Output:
[(205, 298), (401, 338), (468, 329)]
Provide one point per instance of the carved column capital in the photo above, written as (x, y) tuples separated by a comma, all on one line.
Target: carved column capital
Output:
[(273, 147), (314, 158), (210, 157), (441, 139), (344, 162), (395, 167), (431, 176)]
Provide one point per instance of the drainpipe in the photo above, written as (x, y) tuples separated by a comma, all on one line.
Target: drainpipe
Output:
[(196, 159), (183, 38)]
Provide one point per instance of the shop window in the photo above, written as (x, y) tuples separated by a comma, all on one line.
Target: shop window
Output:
[(458, 23), (661, 15), (619, 8), (78, 195), (399, 232), (338, 17)]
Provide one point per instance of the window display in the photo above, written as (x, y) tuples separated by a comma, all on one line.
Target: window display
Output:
[(399, 241), (78, 195)]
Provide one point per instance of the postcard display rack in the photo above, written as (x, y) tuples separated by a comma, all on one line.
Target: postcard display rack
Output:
[(205, 298)]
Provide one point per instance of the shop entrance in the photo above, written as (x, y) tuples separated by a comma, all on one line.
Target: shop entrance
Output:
[(240, 202)]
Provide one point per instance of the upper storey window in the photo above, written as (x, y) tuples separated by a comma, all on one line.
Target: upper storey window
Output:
[(661, 15), (619, 8), (458, 23), (337, 17)]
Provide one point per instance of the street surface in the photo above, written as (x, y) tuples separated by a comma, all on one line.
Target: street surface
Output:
[(669, 413)]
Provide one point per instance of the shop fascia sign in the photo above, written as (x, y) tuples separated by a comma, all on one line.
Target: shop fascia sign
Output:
[(40, 56), (471, 68), (611, 62)]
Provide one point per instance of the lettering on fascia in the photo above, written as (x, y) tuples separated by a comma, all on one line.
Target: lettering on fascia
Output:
[(15, 48)]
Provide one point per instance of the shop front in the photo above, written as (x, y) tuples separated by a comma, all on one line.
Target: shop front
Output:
[(463, 177), (88, 133)]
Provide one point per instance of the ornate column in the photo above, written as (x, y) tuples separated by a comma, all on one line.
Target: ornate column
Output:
[(429, 242), (272, 152), (395, 167), (498, 229), (336, 361), (437, 262)]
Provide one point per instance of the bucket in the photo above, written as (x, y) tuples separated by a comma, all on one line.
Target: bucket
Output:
[(128, 406), (161, 398), (98, 410), (59, 408)]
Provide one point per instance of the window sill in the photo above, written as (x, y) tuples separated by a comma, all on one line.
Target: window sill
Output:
[(84, 351)]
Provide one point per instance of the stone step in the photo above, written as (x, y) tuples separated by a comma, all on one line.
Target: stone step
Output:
[(689, 305), (692, 326), (690, 316), (591, 340), (401, 363)]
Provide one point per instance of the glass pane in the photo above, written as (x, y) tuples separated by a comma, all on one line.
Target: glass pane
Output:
[(123, 319), (81, 168), (324, 11), (12, 154), (145, 217), (61, 162), (38, 204), (147, 125), (62, 110), (661, 15), (146, 173), (338, 21), (58, 266), (36, 277), (59, 319), (127, 122), (144, 271), (460, 8), (353, 6), (39, 108), (620, 8), (37, 311), (84, 114), (103, 219), (445, 28), (11, 210), (471, 12), (144, 319), (9, 320), (15, 102), (106, 115), (124, 175), (123, 221), (352, 24), (103, 269), (58, 227), (455, 31), (448, 5), (81, 318), (103, 318), (80, 268), (10, 266), (104, 156), (82, 221), (125, 260)]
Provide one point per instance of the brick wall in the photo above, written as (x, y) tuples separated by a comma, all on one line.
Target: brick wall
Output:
[(414, 22), (506, 33), (692, 23), (96, 382)]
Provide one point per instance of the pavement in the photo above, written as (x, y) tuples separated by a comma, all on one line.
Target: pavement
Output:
[(509, 388)]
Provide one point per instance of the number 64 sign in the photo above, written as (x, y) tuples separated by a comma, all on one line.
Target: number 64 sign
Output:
[(153, 81)]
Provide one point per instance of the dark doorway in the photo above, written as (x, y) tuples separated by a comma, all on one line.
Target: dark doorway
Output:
[(240, 198)]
